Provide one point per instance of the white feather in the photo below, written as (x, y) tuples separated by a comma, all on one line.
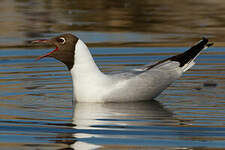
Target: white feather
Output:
[(91, 85)]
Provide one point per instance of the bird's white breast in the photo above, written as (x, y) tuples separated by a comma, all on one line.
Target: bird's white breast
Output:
[(88, 81)]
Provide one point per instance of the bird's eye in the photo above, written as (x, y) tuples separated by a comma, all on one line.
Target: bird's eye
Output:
[(61, 40)]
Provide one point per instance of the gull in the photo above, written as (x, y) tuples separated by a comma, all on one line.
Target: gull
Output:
[(138, 84)]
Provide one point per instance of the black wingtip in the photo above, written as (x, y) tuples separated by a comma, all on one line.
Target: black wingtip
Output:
[(205, 40), (188, 55), (191, 54), (210, 44)]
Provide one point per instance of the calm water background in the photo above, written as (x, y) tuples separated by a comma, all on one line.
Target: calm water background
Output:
[(36, 96)]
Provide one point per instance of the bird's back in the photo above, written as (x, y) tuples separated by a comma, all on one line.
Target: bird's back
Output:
[(142, 85)]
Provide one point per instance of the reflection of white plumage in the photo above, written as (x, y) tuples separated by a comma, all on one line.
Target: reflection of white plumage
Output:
[(145, 83), (88, 116), (100, 119)]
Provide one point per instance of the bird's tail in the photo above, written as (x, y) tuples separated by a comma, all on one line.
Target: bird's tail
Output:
[(187, 58)]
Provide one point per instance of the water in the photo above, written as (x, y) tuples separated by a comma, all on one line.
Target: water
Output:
[(36, 109)]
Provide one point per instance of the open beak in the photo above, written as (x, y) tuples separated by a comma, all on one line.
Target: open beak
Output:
[(47, 42), (40, 41)]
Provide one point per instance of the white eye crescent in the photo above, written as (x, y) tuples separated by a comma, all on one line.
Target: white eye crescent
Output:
[(61, 40)]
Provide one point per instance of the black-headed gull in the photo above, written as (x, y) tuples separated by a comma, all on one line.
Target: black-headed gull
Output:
[(139, 84)]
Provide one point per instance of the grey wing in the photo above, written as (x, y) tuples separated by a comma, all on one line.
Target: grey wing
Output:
[(166, 64), (126, 74), (176, 64), (144, 85), (184, 60)]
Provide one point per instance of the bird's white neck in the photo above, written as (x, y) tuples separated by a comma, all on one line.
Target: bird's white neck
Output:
[(85, 73), (83, 60)]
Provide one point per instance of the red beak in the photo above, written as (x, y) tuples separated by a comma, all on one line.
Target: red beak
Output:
[(44, 41), (40, 41)]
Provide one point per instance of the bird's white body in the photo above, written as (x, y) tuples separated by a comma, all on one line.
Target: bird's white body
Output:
[(139, 84), (91, 85)]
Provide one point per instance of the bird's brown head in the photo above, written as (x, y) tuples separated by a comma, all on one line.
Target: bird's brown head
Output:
[(65, 48)]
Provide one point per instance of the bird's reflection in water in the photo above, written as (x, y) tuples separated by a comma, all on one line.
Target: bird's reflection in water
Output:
[(89, 115), (102, 120)]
